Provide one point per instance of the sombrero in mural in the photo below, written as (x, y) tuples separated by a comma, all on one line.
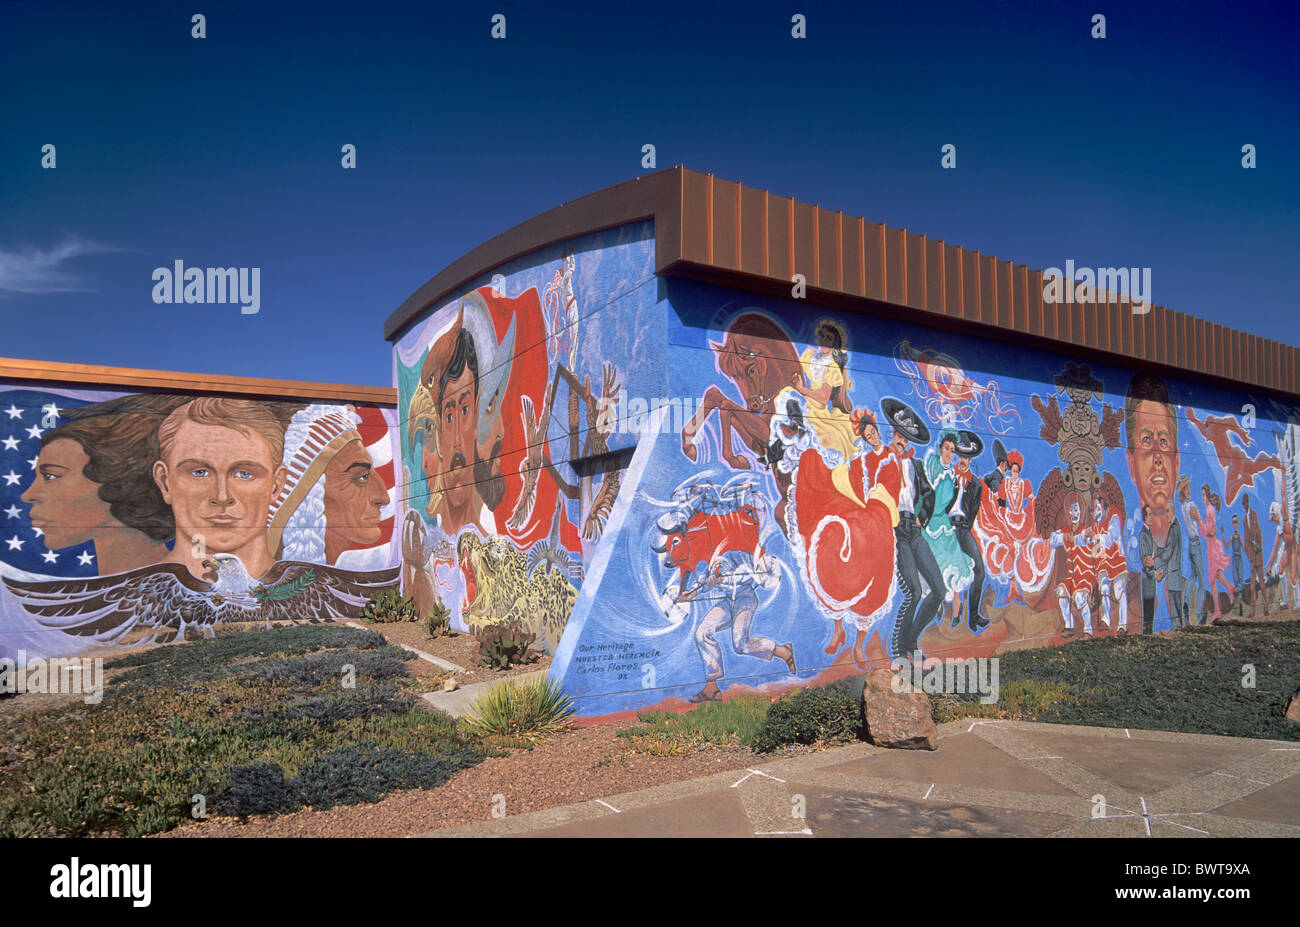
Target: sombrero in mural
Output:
[(969, 444), (906, 420)]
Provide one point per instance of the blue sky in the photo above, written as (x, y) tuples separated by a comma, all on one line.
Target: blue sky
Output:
[(225, 151)]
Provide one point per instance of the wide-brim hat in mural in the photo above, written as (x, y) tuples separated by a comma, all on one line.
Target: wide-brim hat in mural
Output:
[(999, 452), (905, 419), (969, 444)]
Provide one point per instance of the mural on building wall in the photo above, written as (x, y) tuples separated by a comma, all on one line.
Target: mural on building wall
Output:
[(133, 518), (850, 491), (510, 399)]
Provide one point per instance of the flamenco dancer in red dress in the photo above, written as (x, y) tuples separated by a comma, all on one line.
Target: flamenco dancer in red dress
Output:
[(844, 517), (1008, 539)]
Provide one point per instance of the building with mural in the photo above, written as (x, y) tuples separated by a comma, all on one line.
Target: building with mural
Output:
[(144, 506), (701, 440)]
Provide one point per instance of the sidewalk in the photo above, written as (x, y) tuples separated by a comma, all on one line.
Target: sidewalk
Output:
[(987, 779)]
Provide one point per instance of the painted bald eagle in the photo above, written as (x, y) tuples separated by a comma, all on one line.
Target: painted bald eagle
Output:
[(159, 603)]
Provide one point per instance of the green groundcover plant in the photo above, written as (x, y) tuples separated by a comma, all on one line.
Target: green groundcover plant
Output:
[(253, 723)]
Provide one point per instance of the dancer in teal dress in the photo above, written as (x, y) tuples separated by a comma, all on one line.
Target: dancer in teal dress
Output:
[(958, 569)]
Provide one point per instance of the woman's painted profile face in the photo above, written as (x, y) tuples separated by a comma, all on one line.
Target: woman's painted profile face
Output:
[(65, 504)]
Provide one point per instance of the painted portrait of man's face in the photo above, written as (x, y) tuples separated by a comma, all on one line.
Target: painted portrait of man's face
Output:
[(455, 430), (219, 483), (1153, 457), (65, 504), (354, 499), (219, 471)]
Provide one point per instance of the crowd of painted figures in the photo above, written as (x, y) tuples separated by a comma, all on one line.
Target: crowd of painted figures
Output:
[(870, 519)]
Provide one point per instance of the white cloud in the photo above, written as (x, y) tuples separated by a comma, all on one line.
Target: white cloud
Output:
[(42, 270)]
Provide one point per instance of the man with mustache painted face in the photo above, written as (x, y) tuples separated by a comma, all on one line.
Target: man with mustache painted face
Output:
[(458, 408)]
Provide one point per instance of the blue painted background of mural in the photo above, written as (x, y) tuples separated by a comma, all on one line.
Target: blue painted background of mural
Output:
[(500, 524), (691, 622)]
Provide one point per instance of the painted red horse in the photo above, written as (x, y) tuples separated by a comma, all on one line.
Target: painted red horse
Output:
[(760, 359)]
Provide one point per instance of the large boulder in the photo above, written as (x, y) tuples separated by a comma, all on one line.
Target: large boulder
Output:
[(1293, 707), (896, 719)]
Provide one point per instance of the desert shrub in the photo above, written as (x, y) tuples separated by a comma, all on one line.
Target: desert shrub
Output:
[(345, 776), (366, 702), (210, 660), (810, 716), (130, 764), (316, 668), (438, 621), (530, 710), (504, 644), (389, 605)]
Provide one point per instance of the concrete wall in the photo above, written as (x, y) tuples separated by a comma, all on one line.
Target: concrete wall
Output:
[(510, 484), (768, 532), (129, 517)]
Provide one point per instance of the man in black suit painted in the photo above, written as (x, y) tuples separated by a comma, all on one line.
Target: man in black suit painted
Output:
[(962, 510), (914, 558)]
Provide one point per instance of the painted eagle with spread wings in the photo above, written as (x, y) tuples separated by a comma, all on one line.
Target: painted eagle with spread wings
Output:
[(159, 603)]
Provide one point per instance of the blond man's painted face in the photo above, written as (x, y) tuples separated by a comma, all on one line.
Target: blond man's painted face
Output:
[(219, 482)]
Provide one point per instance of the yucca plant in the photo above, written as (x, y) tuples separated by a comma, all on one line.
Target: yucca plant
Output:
[(532, 710)]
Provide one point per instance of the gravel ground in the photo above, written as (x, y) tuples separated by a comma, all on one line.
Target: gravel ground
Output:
[(579, 765)]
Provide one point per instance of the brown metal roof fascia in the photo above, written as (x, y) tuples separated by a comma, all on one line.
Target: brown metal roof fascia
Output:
[(895, 272), (726, 228), (918, 283), (1002, 294), (988, 292), (751, 210), (952, 294), (173, 381), (803, 236), (830, 264), (780, 237), (1034, 296), (970, 283), (852, 264), (710, 229)]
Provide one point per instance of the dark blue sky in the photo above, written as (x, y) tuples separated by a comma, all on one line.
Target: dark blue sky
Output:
[(225, 151)]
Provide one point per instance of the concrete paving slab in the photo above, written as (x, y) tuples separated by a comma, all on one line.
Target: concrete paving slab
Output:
[(985, 780), (1143, 766), (714, 814), (1279, 803), (964, 759), (834, 813)]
